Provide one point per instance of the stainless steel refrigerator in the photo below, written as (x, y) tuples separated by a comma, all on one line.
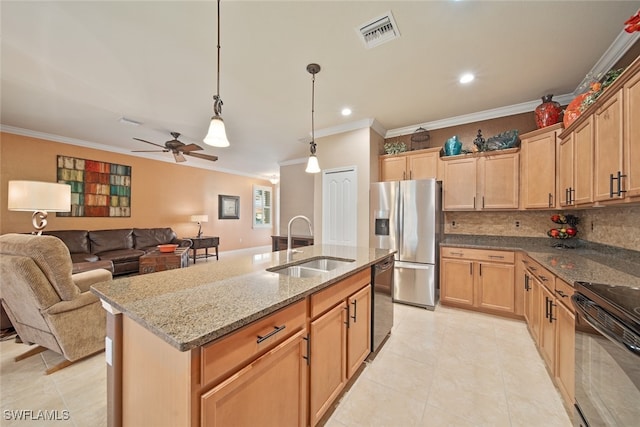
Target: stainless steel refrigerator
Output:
[(407, 216)]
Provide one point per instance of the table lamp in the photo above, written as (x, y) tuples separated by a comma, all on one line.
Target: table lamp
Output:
[(200, 219), (39, 197)]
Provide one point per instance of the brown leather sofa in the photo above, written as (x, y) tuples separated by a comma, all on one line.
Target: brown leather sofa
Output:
[(123, 247)]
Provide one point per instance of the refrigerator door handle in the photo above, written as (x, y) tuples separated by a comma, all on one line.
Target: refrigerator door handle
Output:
[(400, 223)]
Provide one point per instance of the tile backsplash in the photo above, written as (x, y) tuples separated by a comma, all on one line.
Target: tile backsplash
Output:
[(615, 226)]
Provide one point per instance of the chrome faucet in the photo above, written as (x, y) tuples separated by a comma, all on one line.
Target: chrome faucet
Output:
[(290, 250)]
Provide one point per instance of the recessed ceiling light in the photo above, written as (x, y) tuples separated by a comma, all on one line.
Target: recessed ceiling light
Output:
[(346, 111), (466, 78)]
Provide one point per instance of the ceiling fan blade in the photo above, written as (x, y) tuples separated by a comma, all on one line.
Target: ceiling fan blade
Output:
[(202, 156), (191, 147), (179, 157), (148, 142), (150, 151)]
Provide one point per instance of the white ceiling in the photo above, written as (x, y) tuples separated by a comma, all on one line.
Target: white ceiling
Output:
[(73, 69)]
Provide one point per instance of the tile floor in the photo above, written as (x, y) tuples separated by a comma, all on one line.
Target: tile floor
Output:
[(443, 368)]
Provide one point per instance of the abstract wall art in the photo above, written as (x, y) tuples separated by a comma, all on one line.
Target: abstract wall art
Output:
[(98, 189)]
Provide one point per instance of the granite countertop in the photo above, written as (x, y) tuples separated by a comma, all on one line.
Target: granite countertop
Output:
[(192, 306), (587, 262)]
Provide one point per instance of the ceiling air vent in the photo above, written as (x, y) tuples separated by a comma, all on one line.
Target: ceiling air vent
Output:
[(378, 31)]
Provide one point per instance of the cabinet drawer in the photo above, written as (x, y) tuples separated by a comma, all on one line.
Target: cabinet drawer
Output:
[(228, 353), (325, 299), (543, 275), (478, 254), (563, 294)]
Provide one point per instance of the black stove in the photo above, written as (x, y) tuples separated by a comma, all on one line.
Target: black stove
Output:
[(621, 301)]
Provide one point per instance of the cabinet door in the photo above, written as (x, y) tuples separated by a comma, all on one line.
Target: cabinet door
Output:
[(528, 296), (566, 151), (537, 308), (583, 163), (565, 353), (359, 329), (607, 144), (499, 180), (459, 185), (393, 168), (495, 286), (328, 374), (423, 166), (271, 391), (456, 284), (631, 149), (538, 175), (549, 314)]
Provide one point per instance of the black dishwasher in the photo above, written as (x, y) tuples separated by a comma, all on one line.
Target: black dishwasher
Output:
[(382, 313)]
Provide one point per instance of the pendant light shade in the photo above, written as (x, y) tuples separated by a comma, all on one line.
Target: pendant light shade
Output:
[(217, 135), (312, 164)]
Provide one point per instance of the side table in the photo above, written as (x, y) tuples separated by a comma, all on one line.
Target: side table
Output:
[(204, 242)]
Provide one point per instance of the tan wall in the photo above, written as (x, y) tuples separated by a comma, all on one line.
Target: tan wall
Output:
[(615, 226), (342, 150), (162, 194), (296, 198)]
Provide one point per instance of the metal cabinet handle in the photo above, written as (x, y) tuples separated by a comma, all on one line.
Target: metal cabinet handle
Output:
[(457, 253), (550, 200), (496, 256), (480, 269), (551, 305), (572, 200), (276, 329), (562, 294), (611, 178), (526, 283), (348, 316), (543, 278), (471, 269), (482, 202), (620, 190), (308, 356), (546, 307), (355, 311)]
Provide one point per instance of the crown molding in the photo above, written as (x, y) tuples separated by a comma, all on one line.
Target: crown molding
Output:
[(82, 143), (347, 127), (493, 113)]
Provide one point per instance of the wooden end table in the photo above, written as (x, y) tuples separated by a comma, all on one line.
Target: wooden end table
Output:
[(160, 261), (204, 242)]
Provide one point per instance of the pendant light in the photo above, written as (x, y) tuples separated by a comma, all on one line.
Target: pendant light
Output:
[(217, 136), (312, 164)]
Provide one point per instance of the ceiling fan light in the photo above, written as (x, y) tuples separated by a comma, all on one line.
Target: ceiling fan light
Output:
[(217, 136), (312, 164)]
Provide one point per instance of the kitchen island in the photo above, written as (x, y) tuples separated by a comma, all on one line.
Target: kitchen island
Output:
[(216, 342)]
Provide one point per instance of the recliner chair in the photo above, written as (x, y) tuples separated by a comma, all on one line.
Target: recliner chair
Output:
[(46, 303)]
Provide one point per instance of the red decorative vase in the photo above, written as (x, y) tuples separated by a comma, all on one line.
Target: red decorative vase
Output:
[(547, 113)]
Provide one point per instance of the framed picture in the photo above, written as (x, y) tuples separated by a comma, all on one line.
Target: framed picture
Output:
[(228, 207)]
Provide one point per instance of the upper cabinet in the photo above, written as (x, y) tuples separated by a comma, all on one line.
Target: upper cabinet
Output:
[(604, 140), (480, 181), (420, 164), (538, 168)]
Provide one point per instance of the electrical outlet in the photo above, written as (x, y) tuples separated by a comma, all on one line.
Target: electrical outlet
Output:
[(453, 223), (591, 225), (517, 224)]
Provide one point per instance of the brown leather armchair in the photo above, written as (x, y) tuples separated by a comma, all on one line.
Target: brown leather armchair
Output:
[(46, 303)]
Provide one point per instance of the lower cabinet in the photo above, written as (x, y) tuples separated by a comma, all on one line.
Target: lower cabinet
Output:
[(271, 391), (340, 340), (551, 322), (478, 279)]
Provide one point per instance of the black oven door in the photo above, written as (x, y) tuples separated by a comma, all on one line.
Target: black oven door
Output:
[(607, 381)]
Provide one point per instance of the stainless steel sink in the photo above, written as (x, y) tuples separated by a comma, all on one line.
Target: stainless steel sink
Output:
[(326, 264), (312, 268)]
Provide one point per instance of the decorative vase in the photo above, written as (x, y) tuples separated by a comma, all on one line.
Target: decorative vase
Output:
[(572, 111), (547, 113), (453, 146)]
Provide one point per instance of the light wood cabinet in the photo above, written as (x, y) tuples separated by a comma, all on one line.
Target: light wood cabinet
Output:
[(538, 168), (271, 391), (420, 164), (565, 341), (631, 149), (477, 279), (576, 166), (608, 155), (482, 181), (547, 339), (340, 339)]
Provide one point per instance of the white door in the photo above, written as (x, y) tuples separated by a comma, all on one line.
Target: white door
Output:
[(339, 206)]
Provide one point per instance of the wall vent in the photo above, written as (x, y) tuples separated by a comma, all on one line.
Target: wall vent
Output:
[(378, 31)]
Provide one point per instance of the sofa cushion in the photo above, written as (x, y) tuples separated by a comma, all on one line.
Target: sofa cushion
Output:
[(76, 240), (121, 255), (84, 258), (151, 237), (110, 240)]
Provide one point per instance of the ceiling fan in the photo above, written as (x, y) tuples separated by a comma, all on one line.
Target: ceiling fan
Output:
[(178, 149)]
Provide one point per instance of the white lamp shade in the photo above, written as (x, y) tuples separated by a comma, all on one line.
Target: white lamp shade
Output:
[(39, 196), (312, 165), (217, 136), (199, 218)]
